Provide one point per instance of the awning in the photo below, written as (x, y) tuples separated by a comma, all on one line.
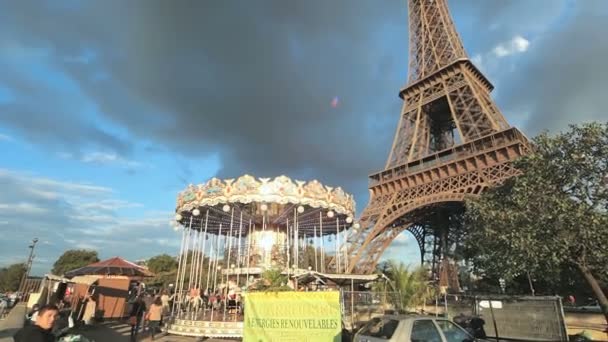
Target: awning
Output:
[(114, 266), (338, 279), (85, 279)]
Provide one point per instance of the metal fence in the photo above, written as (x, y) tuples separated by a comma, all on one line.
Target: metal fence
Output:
[(359, 307), (511, 317)]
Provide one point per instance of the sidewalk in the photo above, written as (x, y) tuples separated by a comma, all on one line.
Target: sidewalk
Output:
[(119, 332), (12, 323)]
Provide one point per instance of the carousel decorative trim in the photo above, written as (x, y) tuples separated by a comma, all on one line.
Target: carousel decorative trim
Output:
[(282, 190)]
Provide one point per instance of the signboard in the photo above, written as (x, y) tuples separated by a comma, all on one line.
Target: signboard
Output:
[(292, 316)]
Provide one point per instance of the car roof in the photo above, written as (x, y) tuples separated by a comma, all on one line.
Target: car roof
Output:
[(411, 316)]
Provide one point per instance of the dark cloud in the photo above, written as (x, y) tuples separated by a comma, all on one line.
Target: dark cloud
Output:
[(565, 78), (254, 83)]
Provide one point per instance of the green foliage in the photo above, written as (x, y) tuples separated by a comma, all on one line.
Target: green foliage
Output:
[(162, 263), (10, 277), (73, 259), (273, 280), (412, 285), (552, 216)]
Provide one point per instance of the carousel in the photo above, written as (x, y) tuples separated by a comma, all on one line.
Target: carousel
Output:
[(235, 230)]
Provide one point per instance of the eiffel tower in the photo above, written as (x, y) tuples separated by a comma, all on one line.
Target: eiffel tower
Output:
[(451, 142)]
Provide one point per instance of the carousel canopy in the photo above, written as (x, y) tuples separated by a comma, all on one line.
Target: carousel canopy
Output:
[(280, 201), (112, 266)]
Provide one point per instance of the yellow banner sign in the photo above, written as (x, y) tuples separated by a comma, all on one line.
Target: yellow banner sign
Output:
[(292, 316)]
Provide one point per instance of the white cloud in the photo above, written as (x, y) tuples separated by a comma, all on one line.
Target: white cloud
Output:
[(22, 208), (4, 137), (517, 44), (105, 159), (46, 187), (109, 205), (102, 158)]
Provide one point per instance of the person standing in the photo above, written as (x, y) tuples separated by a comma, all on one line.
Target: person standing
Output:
[(137, 312), (154, 316), (40, 331), (165, 300)]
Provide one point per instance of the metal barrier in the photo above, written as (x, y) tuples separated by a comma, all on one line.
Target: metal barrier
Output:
[(527, 318), (359, 307)]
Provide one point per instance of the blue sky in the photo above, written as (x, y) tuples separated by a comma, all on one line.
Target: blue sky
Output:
[(107, 110)]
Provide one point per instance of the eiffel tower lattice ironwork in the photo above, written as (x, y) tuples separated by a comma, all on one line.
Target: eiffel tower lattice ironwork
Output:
[(451, 142)]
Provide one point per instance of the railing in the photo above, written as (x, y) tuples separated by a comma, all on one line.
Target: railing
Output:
[(359, 307), (489, 142)]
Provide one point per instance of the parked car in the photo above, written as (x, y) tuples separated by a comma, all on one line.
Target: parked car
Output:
[(413, 328)]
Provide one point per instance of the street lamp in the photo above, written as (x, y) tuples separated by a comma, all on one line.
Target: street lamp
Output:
[(28, 266)]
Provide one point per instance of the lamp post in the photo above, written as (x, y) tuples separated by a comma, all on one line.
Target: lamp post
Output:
[(28, 266)]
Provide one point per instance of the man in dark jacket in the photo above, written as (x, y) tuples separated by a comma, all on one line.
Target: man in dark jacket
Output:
[(40, 331)]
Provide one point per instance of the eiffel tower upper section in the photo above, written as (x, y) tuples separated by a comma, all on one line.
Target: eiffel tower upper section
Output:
[(451, 142), (447, 99)]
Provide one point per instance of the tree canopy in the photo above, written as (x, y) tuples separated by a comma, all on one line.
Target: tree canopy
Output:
[(10, 277), (552, 216), (73, 259), (162, 263)]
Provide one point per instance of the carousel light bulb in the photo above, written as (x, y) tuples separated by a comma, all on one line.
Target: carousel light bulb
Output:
[(330, 214), (300, 209), (264, 207), (226, 208), (219, 267), (295, 266), (178, 217), (357, 225), (196, 212), (233, 266), (349, 220)]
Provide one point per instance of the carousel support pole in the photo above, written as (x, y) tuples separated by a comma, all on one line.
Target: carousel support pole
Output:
[(193, 260), (314, 240), (228, 268), (209, 262), (248, 255), (238, 263), (181, 297), (179, 267), (288, 248), (199, 277), (337, 245), (217, 267), (345, 239), (322, 242)]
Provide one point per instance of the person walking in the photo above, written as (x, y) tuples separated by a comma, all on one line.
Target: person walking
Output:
[(154, 316), (137, 312), (40, 331)]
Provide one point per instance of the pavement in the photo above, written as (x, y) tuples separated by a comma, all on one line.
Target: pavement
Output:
[(102, 332), (120, 331), (12, 323)]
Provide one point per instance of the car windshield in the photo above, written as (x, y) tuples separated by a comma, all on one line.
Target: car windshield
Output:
[(453, 332), (383, 328)]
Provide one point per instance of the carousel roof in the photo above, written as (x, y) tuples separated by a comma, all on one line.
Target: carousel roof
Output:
[(279, 201), (112, 266)]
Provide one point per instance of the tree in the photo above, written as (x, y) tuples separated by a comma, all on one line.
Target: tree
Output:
[(10, 277), (412, 285), (162, 263), (73, 259), (273, 280), (552, 216)]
